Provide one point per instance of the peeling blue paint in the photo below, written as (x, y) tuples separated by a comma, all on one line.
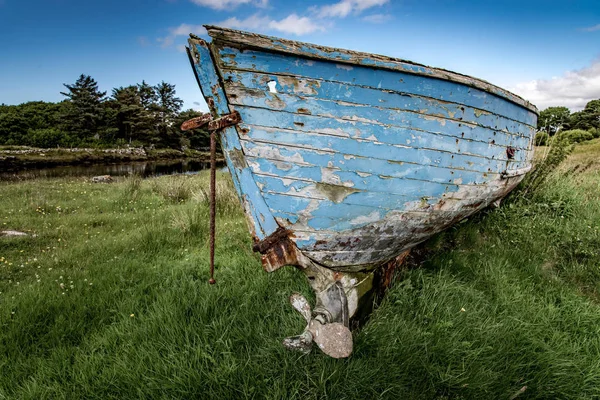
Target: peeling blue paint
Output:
[(360, 157), (490, 161), (241, 174), (318, 158), (384, 133), (325, 90), (273, 63)]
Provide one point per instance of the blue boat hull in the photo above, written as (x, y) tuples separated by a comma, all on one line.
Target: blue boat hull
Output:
[(347, 159)]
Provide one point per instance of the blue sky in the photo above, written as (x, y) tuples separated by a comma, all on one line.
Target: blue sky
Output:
[(546, 51)]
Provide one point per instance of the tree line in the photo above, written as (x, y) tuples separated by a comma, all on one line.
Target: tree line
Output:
[(146, 115), (136, 115), (559, 122)]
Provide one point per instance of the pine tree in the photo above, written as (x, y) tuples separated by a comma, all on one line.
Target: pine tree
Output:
[(168, 106), (148, 96), (85, 115), (149, 120), (129, 112)]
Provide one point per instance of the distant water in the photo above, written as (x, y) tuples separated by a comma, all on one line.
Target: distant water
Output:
[(142, 168)]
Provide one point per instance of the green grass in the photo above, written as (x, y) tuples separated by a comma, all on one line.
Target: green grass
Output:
[(111, 300)]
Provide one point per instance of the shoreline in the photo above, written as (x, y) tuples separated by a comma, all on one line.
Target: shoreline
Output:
[(18, 158)]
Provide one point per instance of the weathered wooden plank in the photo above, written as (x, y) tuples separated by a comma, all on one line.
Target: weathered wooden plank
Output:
[(391, 197), (346, 178), (311, 214), (468, 153), (386, 99), (369, 149), (313, 199), (377, 117), (261, 220), (320, 242), (245, 39), (303, 213), (418, 189), (282, 193), (280, 160), (382, 133), (360, 113), (331, 196), (304, 208), (257, 61)]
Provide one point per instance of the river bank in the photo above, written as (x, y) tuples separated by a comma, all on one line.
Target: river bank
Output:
[(17, 158)]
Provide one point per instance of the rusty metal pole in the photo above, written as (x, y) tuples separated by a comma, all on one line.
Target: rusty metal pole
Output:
[(214, 125), (213, 189)]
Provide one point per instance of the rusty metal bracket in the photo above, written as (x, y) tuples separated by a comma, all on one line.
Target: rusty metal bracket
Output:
[(212, 124)]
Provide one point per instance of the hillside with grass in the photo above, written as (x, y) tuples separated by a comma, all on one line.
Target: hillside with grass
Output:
[(107, 297)]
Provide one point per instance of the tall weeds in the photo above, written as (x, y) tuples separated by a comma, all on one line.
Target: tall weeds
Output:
[(554, 155)]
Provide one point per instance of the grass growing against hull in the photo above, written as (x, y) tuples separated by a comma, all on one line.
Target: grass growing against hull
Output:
[(110, 300)]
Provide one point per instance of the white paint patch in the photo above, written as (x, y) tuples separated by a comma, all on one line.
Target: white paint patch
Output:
[(272, 86), (366, 219), (329, 176), (264, 151), (254, 166)]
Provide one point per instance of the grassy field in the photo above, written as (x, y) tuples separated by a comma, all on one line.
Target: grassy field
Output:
[(110, 299)]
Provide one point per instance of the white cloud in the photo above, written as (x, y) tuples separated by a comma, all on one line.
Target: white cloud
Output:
[(296, 25), (291, 24), (377, 18), (229, 4), (253, 22), (181, 30), (574, 89), (346, 7), (591, 28)]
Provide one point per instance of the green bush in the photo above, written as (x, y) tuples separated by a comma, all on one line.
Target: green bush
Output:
[(541, 139), (47, 138), (575, 135)]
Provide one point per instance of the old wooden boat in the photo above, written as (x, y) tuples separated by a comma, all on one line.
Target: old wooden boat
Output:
[(344, 160)]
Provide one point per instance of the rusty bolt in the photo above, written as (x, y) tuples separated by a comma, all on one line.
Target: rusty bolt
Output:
[(510, 152)]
